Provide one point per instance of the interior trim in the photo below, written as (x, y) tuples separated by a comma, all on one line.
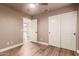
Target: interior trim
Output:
[(11, 47), (43, 43)]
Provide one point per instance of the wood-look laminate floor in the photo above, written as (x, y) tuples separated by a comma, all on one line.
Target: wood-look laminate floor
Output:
[(35, 49)]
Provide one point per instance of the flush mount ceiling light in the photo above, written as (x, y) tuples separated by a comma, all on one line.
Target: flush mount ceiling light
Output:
[(32, 5)]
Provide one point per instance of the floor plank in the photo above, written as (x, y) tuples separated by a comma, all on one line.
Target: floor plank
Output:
[(35, 49)]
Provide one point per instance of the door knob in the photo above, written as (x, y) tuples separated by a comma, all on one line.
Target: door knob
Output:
[(74, 33), (49, 32)]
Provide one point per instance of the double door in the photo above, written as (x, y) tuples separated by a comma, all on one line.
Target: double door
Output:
[(62, 30)]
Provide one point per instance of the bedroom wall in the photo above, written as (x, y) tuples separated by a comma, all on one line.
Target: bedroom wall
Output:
[(11, 26)]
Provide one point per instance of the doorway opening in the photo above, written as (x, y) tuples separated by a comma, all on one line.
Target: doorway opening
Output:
[(26, 26)]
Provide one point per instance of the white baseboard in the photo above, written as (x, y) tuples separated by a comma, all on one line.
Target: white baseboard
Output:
[(42, 43), (77, 51), (11, 47)]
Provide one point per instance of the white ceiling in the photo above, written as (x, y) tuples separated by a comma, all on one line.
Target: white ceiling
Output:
[(23, 7)]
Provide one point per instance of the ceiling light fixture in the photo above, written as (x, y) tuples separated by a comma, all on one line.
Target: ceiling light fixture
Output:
[(32, 5)]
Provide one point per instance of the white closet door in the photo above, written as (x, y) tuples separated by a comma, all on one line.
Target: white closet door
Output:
[(68, 30), (34, 30), (54, 31)]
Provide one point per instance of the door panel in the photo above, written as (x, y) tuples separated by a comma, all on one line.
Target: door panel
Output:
[(34, 30), (68, 28), (54, 31)]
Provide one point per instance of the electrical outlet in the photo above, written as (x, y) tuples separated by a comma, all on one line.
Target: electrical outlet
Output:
[(8, 43)]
